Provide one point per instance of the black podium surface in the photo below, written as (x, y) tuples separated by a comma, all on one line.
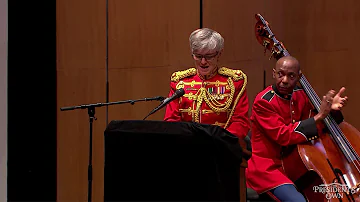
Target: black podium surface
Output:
[(170, 161)]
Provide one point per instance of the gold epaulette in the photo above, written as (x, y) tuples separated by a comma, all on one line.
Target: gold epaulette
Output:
[(177, 76), (235, 74)]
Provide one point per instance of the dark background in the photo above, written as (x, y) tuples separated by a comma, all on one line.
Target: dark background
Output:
[(32, 100)]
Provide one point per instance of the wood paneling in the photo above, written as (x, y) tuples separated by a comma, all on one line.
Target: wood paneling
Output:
[(320, 34), (148, 42), (235, 21), (81, 79), (138, 83)]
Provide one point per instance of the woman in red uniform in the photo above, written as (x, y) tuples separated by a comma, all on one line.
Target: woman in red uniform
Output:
[(213, 94)]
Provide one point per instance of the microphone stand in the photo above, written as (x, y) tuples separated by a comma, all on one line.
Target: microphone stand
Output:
[(153, 111), (91, 113), (178, 93)]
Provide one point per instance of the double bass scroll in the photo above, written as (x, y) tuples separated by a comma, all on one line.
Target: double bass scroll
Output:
[(267, 38), (326, 169)]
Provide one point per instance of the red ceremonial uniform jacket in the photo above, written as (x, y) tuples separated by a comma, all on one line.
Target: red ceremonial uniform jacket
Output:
[(221, 100), (277, 120)]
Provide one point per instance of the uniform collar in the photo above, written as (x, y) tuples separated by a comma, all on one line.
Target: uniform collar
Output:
[(207, 77), (283, 96)]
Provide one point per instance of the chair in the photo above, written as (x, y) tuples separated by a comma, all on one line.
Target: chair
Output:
[(250, 193)]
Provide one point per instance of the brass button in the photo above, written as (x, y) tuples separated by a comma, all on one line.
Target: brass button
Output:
[(293, 121), (293, 112), (272, 91), (292, 103)]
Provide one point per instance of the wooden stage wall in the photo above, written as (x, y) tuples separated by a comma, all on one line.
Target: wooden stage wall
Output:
[(128, 50)]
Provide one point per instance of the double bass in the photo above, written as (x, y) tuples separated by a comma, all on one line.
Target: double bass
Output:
[(325, 169)]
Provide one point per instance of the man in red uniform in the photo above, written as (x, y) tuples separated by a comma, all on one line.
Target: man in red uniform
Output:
[(281, 117), (213, 94)]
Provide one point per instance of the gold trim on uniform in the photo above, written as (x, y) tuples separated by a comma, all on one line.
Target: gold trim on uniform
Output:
[(239, 75), (192, 83), (216, 83), (235, 74), (190, 96), (180, 85), (210, 100), (219, 96), (203, 95), (206, 111), (188, 110), (177, 76), (219, 124)]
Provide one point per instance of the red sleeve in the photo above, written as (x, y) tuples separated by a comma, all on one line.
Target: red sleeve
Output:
[(273, 125), (239, 124), (308, 112), (172, 109)]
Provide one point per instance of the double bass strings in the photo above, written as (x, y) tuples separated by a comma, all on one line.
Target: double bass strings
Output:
[(335, 131)]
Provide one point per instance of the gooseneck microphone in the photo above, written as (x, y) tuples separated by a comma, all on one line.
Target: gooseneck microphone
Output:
[(178, 93)]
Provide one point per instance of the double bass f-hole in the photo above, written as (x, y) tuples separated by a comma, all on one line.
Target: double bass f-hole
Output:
[(339, 178), (332, 162)]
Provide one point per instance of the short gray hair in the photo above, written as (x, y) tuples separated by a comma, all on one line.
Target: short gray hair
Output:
[(206, 38)]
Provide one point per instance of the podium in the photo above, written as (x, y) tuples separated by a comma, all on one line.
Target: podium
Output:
[(170, 161)]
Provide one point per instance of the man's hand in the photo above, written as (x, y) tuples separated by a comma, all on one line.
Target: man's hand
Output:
[(325, 107), (339, 102)]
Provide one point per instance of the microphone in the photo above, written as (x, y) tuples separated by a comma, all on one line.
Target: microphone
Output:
[(178, 93)]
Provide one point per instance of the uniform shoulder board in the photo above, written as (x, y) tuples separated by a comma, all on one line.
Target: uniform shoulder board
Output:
[(177, 76), (235, 74), (268, 95)]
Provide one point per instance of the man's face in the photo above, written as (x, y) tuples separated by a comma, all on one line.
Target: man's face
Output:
[(286, 75), (206, 61)]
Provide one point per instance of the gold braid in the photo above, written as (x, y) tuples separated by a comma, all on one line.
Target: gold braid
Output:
[(210, 100), (237, 98), (216, 106), (203, 94), (198, 104), (228, 102)]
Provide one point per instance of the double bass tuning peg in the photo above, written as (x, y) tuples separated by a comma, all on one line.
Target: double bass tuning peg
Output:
[(274, 54), (265, 44)]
